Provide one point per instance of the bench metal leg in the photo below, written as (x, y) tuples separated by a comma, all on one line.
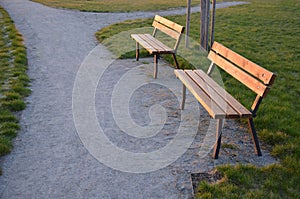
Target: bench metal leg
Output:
[(218, 138), (183, 96), (155, 65), (254, 137), (137, 51), (175, 61)]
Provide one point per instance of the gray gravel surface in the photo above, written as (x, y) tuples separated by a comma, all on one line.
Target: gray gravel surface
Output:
[(50, 161)]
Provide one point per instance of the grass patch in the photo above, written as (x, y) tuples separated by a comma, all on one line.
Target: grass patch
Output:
[(268, 33), (5, 145), (117, 39), (247, 181), (229, 146), (13, 80), (115, 5)]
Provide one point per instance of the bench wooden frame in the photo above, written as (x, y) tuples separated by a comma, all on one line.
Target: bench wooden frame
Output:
[(156, 47), (217, 101)]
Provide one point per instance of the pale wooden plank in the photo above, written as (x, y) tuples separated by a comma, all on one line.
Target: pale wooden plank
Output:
[(151, 44), (156, 47), (215, 96), (177, 43), (243, 112), (248, 80), (137, 37), (161, 48), (166, 30), (169, 23), (257, 71), (147, 38), (211, 107)]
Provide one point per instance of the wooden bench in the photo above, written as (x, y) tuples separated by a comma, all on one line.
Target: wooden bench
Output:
[(217, 101), (156, 47)]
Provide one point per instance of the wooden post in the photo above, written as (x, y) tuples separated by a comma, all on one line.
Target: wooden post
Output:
[(202, 23), (183, 96), (188, 18), (155, 65), (137, 51), (204, 26), (212, 31)]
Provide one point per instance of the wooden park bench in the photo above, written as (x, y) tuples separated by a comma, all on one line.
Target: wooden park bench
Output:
[(217, 101), (156, 47)]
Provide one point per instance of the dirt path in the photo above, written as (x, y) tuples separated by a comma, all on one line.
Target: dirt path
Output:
[(49, 159)]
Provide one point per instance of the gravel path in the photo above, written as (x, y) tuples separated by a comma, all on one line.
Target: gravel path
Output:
[(50, 159)]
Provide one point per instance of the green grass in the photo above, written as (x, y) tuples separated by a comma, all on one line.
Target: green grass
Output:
[(268, 33), (115, 5), (13, 80)]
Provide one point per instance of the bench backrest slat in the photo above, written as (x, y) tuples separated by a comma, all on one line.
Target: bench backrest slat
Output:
[(249, 81), (178, 28), (172, 33), (250, 74), (257, 71), (168, 27)]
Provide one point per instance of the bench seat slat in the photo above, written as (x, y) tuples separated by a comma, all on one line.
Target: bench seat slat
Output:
[(243, 112), (212, 108), (218, 98), (145, 44), (151, 44), (145, 38), (252, 83), (158, 45)]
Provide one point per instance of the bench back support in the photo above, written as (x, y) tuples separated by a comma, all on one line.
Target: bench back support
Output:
[(250, 74), (255, 70), (168, 27)]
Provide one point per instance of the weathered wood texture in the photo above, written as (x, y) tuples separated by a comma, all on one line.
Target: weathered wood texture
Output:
[(156, 47), (204, 23), (187, 25), (213, 19), (216, 100)]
